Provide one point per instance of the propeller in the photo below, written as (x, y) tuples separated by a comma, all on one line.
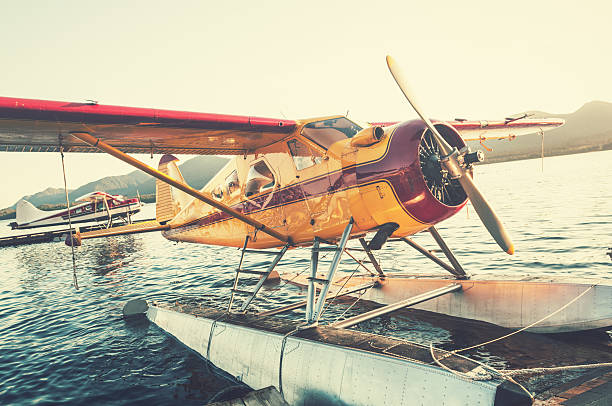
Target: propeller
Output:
[(451, 163)]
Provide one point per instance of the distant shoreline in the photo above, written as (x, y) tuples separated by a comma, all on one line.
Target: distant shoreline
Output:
[(555, 152), (9, 213)]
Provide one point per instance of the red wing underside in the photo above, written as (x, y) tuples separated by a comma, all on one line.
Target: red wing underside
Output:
[(38, 125)]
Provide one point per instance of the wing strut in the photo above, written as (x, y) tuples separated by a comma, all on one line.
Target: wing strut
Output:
[(96, 142)]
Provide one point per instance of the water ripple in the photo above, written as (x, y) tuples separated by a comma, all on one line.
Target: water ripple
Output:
[(60, 345)]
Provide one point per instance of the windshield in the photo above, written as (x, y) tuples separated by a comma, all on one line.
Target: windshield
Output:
[(326, 132)]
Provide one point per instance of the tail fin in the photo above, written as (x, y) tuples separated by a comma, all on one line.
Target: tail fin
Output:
[(26, 212), (169, 200)]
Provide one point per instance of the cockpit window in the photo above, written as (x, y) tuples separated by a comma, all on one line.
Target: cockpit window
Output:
[(326, 132), (259, 179), (303, 157)]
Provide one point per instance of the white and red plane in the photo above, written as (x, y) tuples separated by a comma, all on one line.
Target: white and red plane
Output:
[(95, 206)]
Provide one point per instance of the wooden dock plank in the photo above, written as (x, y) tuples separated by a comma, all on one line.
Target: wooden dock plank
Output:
[(592, 389)]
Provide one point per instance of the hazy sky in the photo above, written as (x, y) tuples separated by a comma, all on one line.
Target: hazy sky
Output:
[(480, 59)]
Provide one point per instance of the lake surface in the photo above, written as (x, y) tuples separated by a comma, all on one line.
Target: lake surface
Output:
[(62, 345)]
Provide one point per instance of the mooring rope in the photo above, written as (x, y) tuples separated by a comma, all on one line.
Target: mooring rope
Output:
[(543, 370), (450, 353), (282, 352), (508, 374), (210, 335), (74, 275), (474, 377)]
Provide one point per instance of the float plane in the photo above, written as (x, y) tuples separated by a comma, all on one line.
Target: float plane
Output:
[(316, 183), (93, 207)]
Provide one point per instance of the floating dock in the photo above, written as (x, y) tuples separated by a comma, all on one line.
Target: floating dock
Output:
[(592, 389), (93, 230)]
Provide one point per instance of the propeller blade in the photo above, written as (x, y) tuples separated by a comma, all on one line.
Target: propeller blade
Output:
[(397, 73), (483, 209), (487, 214)]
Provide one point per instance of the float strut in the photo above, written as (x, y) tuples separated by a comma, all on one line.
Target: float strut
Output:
[(454, 287), (459, 274), (449, 254), (317, 306), (314, 265), (373, 260)]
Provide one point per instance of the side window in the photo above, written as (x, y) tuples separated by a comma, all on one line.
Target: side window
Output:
[(218, 193), (259, 179), (231, 183), (303, 157)]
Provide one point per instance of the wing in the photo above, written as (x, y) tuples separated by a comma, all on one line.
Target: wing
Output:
[(489, 130), (40, 125), (510, 128)]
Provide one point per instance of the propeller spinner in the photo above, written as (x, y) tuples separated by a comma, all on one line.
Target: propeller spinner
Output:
[(454, 163)]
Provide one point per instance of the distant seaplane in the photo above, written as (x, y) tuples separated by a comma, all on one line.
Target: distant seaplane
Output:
[(95, 206)]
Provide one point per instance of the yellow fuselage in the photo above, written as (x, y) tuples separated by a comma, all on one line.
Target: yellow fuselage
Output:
[(315, 193)]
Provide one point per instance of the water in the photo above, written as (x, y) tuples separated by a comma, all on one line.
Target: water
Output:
[(61, 345)]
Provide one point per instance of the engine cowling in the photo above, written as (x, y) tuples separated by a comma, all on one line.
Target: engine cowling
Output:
[(400, 179)]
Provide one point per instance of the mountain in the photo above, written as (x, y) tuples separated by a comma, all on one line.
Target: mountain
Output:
[(197, 172), (587, 129)]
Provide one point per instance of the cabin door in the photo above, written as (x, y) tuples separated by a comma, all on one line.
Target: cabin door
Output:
[(312, 173), (262, 197)]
